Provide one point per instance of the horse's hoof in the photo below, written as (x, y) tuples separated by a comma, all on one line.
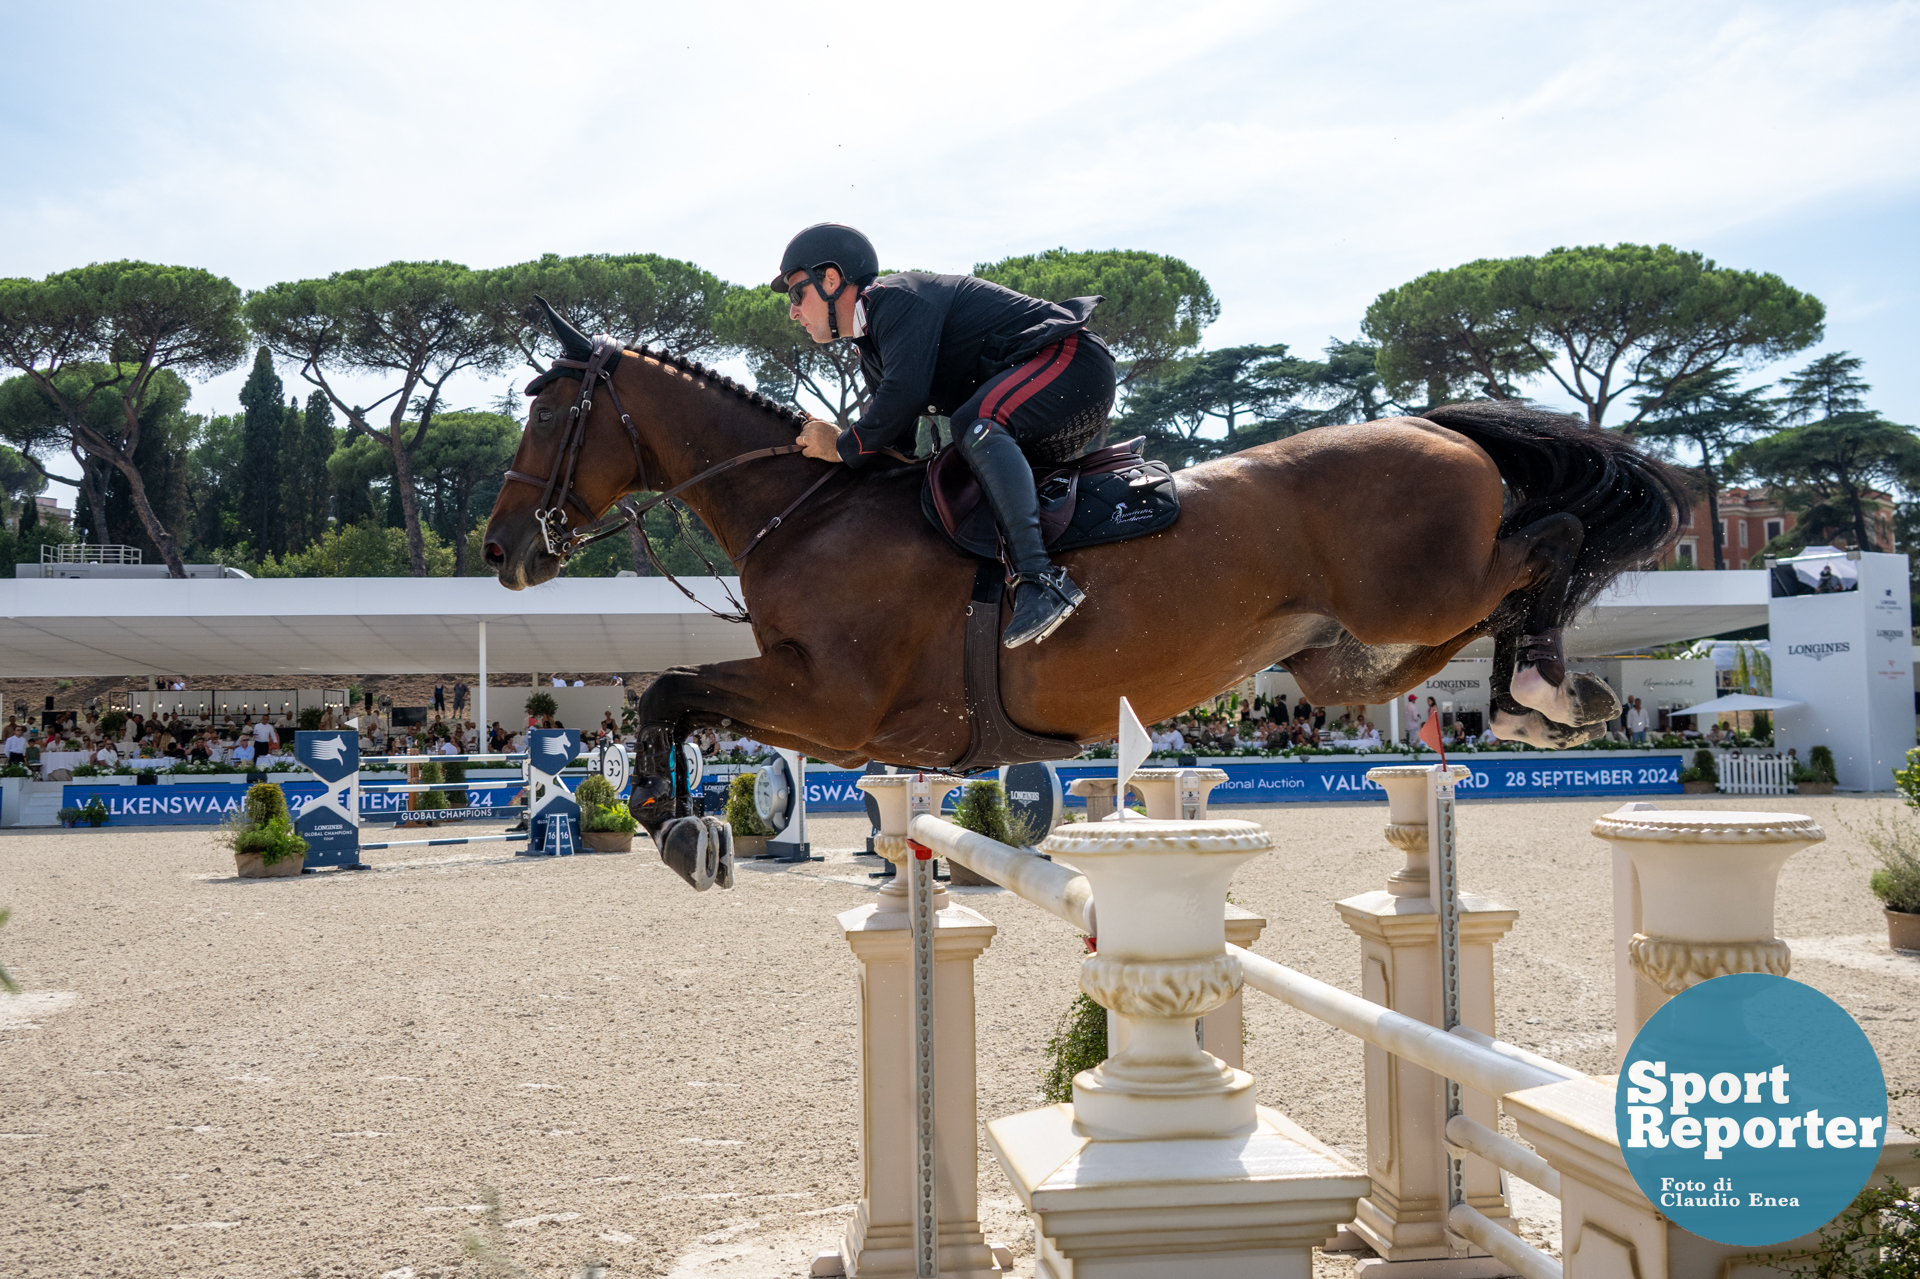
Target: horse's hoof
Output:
[(691, 850), (720, 837), (1531, 689), (1591, 699), (1535, 729)]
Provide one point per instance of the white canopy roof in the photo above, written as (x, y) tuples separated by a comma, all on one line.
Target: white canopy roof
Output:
[(1737, 702), (359, 625), (1642, 610)]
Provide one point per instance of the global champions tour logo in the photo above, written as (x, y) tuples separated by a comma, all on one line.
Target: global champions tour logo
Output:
[(330, 750), (1819, 652)]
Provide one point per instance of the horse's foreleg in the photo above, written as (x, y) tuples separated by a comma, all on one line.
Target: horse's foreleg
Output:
[(1537, 655), (1513, 722)]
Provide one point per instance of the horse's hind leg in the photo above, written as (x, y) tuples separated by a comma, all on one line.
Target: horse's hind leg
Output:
[(1513, 722), (1537, 657)]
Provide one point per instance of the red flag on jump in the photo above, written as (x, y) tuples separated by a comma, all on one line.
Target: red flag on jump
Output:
[(1430, 734)]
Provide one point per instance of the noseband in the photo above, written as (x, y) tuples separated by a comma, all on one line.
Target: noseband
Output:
[(551, 515)]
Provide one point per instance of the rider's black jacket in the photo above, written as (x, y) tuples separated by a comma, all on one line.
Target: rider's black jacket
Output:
[(931, 340)]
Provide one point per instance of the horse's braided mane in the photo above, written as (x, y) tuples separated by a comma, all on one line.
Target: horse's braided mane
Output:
[(684, 364)]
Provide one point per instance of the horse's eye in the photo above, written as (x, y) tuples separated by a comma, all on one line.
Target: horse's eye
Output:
[(544, 416)]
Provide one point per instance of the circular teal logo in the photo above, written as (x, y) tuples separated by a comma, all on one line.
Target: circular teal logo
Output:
[(1751, 1109)]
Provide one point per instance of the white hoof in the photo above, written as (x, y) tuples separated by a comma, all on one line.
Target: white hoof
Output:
[(1535, 729)]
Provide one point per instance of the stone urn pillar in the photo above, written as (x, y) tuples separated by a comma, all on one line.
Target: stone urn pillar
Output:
[(1147, 1167), (1099, 792), (1167, 792), (879, 1241), (1402, 1216), (1692, 900)]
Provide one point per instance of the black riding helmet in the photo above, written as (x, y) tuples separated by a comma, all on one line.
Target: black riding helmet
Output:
[(828, 244)]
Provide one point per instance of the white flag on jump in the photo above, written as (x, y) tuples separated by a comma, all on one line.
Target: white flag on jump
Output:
[(1135, 746)]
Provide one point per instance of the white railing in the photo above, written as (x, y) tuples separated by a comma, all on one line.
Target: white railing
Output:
[(89, 553), (1751, 774)]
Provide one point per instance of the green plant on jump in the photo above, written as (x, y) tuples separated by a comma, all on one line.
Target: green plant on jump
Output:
[(608, 818), (740, 812), (595, 791), (430, 772), (1079, 1043), (982, 809), (310, 717), (542, 705), (262, 825)]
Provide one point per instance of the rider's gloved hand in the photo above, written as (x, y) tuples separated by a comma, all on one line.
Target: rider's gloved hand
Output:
[(820, 440)]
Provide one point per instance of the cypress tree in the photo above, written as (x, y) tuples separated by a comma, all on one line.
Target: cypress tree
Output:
[(261, 520), (306, 446)]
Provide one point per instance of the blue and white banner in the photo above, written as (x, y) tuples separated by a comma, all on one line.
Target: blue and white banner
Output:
[(326, 821), (1308, 781)]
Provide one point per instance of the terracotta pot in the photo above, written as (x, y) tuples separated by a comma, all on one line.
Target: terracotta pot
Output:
[(748, 846), (253, 866), (607, 841), (1903, 930), (1699, 788), (1814, 788)]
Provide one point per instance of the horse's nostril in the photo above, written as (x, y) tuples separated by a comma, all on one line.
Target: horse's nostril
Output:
[(494, 555)]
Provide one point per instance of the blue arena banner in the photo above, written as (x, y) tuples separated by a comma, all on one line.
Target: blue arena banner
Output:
[(1518, 776), (209, 803)]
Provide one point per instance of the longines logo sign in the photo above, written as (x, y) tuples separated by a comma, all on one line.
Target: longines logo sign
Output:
[(1453, 685), (1891, 635), (1819, 652)]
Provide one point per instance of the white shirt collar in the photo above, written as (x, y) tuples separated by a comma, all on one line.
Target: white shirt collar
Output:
[(859, 317)]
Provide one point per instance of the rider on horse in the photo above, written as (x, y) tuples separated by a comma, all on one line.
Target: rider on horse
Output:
[(1022, 380)]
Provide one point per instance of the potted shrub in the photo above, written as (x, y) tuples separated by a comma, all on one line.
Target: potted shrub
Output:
[(982, 809), (1897, 882), (1818, 777), (749, 832), (431, 800), (1704, 777), (261, 835), (310, 717), (112, 724), (541, 705), (70, 816), (605, 824)]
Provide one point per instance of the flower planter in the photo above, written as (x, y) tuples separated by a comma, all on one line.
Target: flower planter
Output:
[(1699, 788), (1814, 788), (749, 846), (607, 841), (254, 866), (1903, 930)]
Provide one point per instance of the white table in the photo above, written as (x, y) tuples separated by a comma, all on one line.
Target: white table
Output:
[(52, 760)]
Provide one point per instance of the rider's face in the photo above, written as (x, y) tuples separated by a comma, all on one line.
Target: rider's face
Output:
[(811, 311)]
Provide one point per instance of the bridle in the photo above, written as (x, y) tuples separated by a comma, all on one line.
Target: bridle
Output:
[(558, 489)]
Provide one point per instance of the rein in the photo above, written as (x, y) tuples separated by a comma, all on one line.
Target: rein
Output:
[(563, 541)]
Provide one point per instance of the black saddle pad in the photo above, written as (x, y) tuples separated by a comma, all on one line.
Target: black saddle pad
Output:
[(1107, 496)]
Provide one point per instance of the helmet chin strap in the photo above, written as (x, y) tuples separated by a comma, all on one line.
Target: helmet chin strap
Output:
[(832, 300)]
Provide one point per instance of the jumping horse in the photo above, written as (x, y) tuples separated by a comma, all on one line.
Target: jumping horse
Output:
[(1361, 557)]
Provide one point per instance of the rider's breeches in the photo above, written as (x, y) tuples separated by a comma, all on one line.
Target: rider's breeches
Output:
[(1054, 403)]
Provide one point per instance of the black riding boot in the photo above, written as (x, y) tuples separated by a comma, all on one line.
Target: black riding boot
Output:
[(1043, 595)]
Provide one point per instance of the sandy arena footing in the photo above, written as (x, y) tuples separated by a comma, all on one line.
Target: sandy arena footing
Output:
[(331, 1075)]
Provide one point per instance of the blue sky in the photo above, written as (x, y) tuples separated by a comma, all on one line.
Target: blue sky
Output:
[(1304, 157)]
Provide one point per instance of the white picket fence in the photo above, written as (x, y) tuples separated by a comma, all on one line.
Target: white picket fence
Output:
[(1749, 774)]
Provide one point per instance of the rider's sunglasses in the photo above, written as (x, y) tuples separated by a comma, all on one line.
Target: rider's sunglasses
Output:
[(797, 293)]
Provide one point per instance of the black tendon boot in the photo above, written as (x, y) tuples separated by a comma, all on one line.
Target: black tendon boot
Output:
[(1043, 595)]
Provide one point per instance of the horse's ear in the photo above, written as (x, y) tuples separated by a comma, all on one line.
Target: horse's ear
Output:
[(572, 341)]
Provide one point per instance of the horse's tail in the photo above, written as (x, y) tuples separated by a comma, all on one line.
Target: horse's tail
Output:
[(1629, 502)]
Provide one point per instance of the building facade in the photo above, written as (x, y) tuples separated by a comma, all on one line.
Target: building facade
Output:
[(1749, 519)]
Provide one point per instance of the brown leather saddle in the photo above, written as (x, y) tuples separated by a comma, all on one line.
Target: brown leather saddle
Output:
[(1106, 496)]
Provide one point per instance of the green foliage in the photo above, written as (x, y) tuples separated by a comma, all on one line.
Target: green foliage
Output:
[(91, 770), (309, 441), (1712, 414), (1828, 464), (1820, 763), (642, 299), (68, 813), (1897, 881), (786, 363), (359, 550), (1877, 1237), (1239, 388), (95, 812), (458, 470), (412, 324), (541, 703), (595, 791), (16, 770), (1704, 769), (608, 819), (431, 773), (260, 451), (264, 802), (1762, 726), (983, 809), (1078, 1043), (1907, 779), (7, 982), (1155, 306), (310, 717), (1601, 322), (112, 724), (740, 812)]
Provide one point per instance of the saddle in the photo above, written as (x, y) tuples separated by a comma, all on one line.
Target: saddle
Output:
[(1107, 496)]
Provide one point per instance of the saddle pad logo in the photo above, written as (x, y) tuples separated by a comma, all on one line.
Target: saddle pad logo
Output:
[(1121, 515)]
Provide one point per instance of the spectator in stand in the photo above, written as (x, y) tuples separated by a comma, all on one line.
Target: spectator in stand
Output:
[(459, 696), (559, 681), (496, 738), (439, 698), (243, 753), (16, 745), (106, 756), (1636, 722)]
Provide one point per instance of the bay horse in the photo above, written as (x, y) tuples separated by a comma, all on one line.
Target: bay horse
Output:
[(1361, 557)]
